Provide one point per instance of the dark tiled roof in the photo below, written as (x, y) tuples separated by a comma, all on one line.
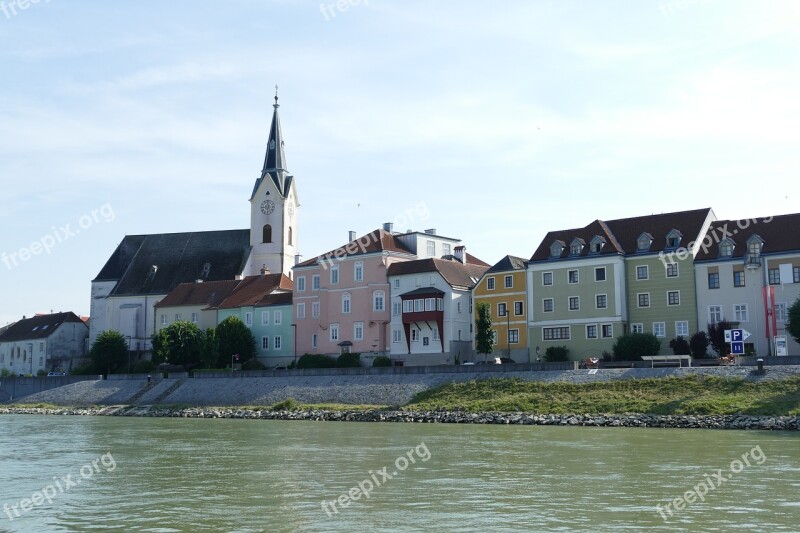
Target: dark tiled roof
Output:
[(598, 227), (38, 327), (509, 263), (376, 241), (208, 293), (178, 258), (455, 273), (253, 289), (780, 234), (422, 291), (280, 298), (689, 223)]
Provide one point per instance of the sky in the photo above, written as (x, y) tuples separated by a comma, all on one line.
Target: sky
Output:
[(491, 122)]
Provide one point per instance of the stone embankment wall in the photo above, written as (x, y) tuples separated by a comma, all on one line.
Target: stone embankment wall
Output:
[(374, 389)]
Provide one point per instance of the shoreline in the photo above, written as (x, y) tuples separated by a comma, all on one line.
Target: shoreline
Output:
[(733, 422)]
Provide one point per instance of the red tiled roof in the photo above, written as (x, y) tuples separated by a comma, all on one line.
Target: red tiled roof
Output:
[(253, 289), (207, 293), (376, 241)]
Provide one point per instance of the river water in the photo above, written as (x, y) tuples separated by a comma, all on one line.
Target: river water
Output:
[(167, 475)]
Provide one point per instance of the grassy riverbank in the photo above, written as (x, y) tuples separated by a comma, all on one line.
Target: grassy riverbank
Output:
[(689, 395)]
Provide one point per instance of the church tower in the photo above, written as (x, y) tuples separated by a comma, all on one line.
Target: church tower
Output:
[(273, 209)]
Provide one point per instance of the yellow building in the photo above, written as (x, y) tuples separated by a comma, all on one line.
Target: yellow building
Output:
[(504, 288)]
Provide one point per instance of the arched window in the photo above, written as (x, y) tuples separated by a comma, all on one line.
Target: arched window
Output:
[(267, 236), (346, 303), (290, 235)]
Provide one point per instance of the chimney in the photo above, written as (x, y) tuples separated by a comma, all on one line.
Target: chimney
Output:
[(264, 270), (461, 253), (351, 236), (431, 231), (298, 259), (388, 227)]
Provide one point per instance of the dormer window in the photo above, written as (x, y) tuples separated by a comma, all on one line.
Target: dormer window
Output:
[(557, 248), (754, 246), (643, 242), (576, 246), (726, 248), (596, 244), (674, 238)]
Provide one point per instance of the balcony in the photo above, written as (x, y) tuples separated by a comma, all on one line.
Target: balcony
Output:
[(752, 261)]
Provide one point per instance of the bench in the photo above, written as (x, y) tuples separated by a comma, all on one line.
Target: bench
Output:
[(667, 360), (705, 362)]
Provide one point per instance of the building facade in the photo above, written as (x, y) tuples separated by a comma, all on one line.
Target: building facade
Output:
[(44, 343)]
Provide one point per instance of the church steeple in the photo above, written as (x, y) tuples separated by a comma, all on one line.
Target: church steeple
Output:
[(275, 160)]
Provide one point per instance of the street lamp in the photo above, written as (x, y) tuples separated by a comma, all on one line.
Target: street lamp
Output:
[(234, 357)]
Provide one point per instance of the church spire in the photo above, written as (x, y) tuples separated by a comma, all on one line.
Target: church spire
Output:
[(275, 160)]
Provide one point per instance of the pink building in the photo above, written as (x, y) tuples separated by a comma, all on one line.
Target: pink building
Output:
[(341, 298)]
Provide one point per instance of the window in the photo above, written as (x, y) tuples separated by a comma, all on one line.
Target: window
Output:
[(754, 247), (440, 304), (194, 318), (518, 308), (248, 319), (334, 332), (576, 247), (637, 328), (509, 282), (335, 275), (591, 331), (607, 331), (643, 242), (431, 248), (574, 303), (796, 274), (555, 334), (513, 336), (659, 329), (414, 335), (600, 274), (780, 312), (502, 309), (673, 239), (740, 313), (738, 278), (430, 304), (315, 282), (41, 346), (408, 306), (358, 331), (301, 311), (301, 284), (277, 342), (396, 336), (419, 305), (378, 301), (547, 278), (713, 280), (672, 270), (601, 301), (178, 317), (642, 272), (163, 320), (490, 283), (426, 341), (315, 309), (774, 275), (396, 283), (397, 308), (556, 248), (314, 340), (673, 297), (265, 318), (572, 276), (682, 328), (266, 234), (547, 305), (726, 248), (265, 343), (494, 337), (346, 300), (358, 271), (458, 307), (278, 315), (290, 235), (436, 333), (446, 248), (714, 314), (644, 299)]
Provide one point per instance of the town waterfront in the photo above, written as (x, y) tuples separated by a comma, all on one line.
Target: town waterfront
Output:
[(161, 474)]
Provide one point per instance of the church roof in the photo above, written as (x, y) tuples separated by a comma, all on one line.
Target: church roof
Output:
[(275, 159), (156, 264), (37, 327)]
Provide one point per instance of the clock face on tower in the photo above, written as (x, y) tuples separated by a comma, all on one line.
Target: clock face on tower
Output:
[(267, 207)]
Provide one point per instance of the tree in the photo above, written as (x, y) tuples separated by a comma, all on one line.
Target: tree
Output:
[(234, 338), (680, 346), (556, 354), (484, 336), (209, 350), (180, 343), (793, 324), (716, 337), (109, 351), (699, 345), (633, 346)]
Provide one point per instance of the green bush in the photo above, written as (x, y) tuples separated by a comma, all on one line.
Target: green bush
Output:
[(556, 353), (253, 364), (292, 365), (680, 346), (289, 404), (5, 373), (349, 360), (381, 360), (698, 345), (143, 367), (633, 346), (41, 373), (89, 369), (316, 360)]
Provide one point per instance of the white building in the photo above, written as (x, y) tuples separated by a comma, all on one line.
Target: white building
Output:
[(49, 343)]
